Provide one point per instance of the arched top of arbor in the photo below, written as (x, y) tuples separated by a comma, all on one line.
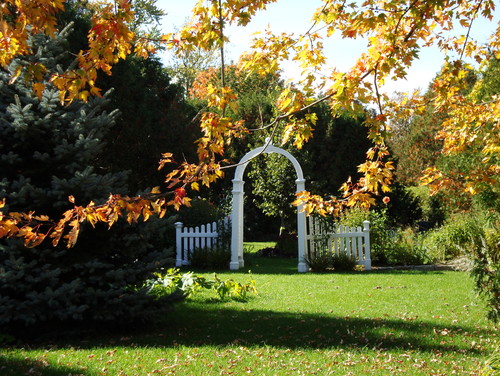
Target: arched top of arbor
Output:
[(268, 148)]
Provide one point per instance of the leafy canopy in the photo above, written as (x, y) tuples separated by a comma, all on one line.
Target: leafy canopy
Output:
[(395, 32)]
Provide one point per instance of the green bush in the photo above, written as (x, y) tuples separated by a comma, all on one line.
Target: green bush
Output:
[(319, 261), (476, 235), (199, 213), (485, 250), (433, 212), (389, 246), (216, 256), (405, 254), (381, 235), (210, 258), (287, 245), (343, 263), (407, 249), (453, 238), (187, 284)]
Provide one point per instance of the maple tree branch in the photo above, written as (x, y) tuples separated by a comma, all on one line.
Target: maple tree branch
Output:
[(197, 173), (469, 29), (266, 144), (221, 30), (377, 93), (262, 127), (198, 114), (316, 20), (14, 224), (320, 100), (275, 122), (405, 12), (284, 116)]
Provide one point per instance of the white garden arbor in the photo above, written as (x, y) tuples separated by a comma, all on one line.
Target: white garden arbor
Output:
[(237, 211)]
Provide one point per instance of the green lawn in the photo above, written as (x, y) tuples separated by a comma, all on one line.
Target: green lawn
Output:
[(376, 323), (252, 247)]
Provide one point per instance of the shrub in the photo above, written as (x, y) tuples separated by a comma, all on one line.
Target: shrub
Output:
[(322, 259), (319, 261), (187, 284), (453, 238), (477, 235), (389, 246), (404, 254), (287, 245), (407, 249), (485, 250), (343, 263), (199, 213), (217, 257), (381, 235)]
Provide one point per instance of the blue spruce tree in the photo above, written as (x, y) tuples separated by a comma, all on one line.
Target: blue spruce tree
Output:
[(47, 152)]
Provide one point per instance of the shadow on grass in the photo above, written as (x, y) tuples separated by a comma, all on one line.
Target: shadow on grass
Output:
[(271, 265), (194, 325), (17, 367), (201, 324)]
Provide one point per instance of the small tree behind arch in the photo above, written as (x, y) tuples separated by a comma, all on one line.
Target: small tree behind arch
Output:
[(272, 177)]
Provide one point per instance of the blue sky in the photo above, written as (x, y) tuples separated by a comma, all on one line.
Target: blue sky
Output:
[(294, 16)]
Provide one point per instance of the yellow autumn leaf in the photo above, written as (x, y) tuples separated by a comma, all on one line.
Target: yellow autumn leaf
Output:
[(38, 88)]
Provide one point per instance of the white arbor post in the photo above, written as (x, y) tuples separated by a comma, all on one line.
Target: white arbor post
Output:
[(237, 226), (237, 211), (366, 231), (178, 244), (301, 230)]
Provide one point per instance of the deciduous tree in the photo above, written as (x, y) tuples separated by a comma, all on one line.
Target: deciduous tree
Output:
[(394, 32)]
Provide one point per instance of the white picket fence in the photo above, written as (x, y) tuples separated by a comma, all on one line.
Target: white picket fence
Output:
[(320, 236), (187, 239), (339, 239)]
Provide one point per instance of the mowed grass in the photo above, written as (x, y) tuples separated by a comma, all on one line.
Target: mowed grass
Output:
[(252, 247), (364, 323)]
